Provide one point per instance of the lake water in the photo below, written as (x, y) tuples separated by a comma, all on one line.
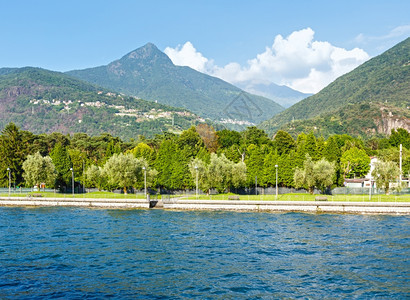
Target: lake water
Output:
[(155, 254)]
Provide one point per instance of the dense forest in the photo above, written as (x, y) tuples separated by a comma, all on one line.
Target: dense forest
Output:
[(222, 160)]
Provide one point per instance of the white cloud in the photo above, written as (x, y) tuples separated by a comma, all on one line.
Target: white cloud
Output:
[(383, 42), (297, 61), (188, 56)]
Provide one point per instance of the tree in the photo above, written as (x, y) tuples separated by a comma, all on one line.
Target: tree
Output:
[(123, 170), (62, 163), (314, 174), (228, 138), (13, 152), (332, 150), (269, 169), (311, 146), (255, 136), (355, 163), (400, 136), (384, 172), (39, 169), (284, 142), (143, 150), (191, 140), (95, 177), (254, 165), (209, 137), (220, 173)]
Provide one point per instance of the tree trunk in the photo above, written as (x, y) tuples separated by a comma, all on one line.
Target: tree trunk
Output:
[(125, 190)]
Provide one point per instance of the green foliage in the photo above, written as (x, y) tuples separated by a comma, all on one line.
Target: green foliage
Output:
[(284, 142), (382, 83), (220, 173), (124, 170), (385, 172), (314, 174), (39, 169), (14, 145), (62, 163), (148, 73), (355, 163), (400, 136), (44, 101)]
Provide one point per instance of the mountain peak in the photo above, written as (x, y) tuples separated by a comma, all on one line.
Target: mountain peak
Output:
[(148, 52)]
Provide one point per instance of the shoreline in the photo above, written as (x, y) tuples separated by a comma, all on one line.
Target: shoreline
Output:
[(402, 208)]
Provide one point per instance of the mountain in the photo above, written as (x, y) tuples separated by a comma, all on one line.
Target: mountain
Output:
[(43, 101), (372, 99), (148, 73), (281, 94)]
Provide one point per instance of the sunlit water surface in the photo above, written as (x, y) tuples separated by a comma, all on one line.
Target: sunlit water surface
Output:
[(91, 253)]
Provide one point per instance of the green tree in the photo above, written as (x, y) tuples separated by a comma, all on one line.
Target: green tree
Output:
[(62, 163), (191, 141), (400, 136), (284, 142), (13, 152), (269, 169), (314, 174), (355, 163), (311, 146), (228, 138), (385, 172), (39, 169), (96, 177), (123, 170), (254, 165)]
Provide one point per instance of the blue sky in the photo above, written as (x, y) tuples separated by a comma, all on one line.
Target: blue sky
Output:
[(65, 35)]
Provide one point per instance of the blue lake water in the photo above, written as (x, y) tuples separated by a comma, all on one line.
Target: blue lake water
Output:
[(155, 254)]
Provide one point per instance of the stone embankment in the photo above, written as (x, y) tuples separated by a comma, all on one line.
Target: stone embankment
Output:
[(290, 206), (83, 202), (232, 205)]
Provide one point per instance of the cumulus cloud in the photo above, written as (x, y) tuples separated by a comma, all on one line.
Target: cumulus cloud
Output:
[(187, 55), (297, 61)]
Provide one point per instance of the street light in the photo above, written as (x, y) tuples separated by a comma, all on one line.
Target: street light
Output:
[(370, 190), (8, 169), (276, 166), (145, 181), (196, 190), (72, 180)]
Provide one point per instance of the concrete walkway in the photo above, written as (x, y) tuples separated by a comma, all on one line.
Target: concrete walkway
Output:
[(233, 205)]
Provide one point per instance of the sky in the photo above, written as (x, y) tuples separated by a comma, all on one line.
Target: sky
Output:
[(301, 44)]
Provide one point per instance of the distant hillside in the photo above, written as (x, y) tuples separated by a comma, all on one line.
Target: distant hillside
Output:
[(281, 94), (148, 73), (43, 101), (380, 84)]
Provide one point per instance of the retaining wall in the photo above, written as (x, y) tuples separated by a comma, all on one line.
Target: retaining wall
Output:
[(286, 206), (97, 202)]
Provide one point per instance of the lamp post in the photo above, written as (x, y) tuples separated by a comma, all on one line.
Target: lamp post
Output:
[(145, 181), (196, 190), (72, 180), (9, 171), (276, 166), (370, 190)]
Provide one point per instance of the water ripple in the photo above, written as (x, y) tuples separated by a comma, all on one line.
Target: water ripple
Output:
[(84, 253)]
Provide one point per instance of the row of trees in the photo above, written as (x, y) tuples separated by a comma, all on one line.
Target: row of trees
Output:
[(223, 160)]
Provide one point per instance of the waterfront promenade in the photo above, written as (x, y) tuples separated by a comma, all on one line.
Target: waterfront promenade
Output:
[(232, 205)]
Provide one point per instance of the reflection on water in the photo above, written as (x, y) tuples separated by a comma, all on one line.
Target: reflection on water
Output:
[(72, 252)]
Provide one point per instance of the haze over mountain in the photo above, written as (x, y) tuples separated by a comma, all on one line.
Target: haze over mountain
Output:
[(373, 98), (148, 73), (281, 94), (43, 101)]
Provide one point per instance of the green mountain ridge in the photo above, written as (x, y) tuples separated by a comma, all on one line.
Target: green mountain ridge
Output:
[(44, 101), (381, 84), (148, 73)]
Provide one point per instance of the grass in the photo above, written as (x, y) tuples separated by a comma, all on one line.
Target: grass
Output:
[(92, 195), (308, 197), (281, 197)]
